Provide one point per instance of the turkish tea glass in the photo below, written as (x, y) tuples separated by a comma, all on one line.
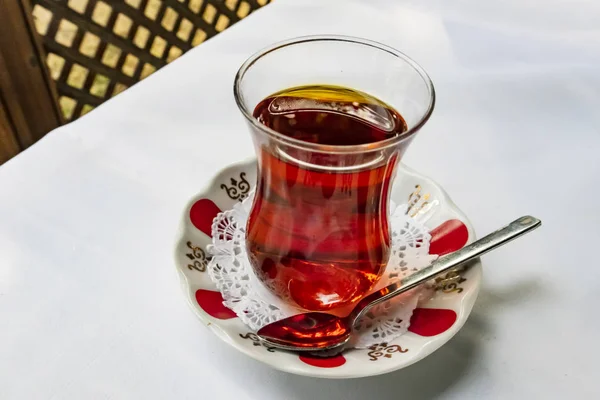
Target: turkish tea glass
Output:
[(318, 234)]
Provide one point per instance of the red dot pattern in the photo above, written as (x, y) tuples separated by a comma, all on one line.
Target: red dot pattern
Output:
[(431, 321), (202, 214), (450, 236), (324, 362), (212, 303)]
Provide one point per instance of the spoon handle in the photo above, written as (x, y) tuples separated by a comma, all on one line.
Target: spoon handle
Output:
[(443, 264)]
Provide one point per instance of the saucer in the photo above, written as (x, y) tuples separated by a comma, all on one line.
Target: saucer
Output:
[(433, 323)]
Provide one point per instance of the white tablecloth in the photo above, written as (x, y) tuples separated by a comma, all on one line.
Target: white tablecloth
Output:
[(89, 300)]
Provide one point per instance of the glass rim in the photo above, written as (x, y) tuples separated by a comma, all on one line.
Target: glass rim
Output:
[(336, 149)]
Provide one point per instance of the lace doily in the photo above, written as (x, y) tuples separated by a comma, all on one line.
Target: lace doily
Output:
[(256, 306)]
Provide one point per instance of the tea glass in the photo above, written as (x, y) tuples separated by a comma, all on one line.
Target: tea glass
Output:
[(318, 234)]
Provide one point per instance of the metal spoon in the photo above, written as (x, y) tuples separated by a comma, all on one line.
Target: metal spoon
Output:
[(326, 333)]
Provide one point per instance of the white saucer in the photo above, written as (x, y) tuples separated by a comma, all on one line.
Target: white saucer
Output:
[(432, 325)]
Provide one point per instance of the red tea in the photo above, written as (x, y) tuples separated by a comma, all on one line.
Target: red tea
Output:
[(320, 236)]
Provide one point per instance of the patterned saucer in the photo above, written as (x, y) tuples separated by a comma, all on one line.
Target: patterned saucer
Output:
[(433, 323)]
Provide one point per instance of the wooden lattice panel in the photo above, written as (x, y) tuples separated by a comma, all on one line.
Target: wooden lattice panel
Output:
[(95, 49)]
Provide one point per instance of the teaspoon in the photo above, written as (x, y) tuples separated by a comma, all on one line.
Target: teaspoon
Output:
[(327, 333)]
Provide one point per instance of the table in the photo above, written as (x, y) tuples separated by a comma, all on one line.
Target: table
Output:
[(89, 299)]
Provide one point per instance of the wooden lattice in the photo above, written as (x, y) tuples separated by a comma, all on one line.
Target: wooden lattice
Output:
[(95, 49)]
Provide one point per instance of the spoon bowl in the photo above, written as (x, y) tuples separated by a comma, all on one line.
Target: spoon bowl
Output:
[(307, 332)]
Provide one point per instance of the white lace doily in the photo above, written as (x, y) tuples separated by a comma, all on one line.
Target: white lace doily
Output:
[(243, 293)]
